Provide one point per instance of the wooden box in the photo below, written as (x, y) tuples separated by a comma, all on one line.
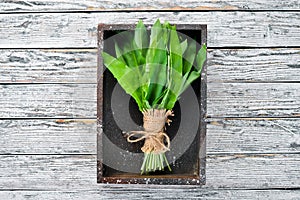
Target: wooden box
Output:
[(119, 161)]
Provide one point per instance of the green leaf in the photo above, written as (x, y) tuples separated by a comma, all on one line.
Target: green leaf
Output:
[(156, 62), (174, 70), (126, 77), (155, 70), (117, 67), (189, 79), (141, 40), (140, 35), (189, 57), (119, 53), (169, 100), (183, 45), (129, 56), (156, 34), (201, 57), (166, 34), (138, 53), (174, 89), (175, 51), (193, 75)]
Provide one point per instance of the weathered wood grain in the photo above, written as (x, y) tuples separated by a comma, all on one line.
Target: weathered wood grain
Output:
[(79, 100), (48, 136), (122, 192), (253, 135), (76, 30), (48, 66), (47, 172), (240, 151), (48, 100), (40, 172), (253, 65), (59, 136), (80, 65), (89, 5), (254, 171), (253, 99)]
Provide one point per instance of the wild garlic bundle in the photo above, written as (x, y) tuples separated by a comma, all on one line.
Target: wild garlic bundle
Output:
[(155, 70)]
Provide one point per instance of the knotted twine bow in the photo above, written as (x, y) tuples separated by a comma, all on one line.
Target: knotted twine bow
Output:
[(154, 135)]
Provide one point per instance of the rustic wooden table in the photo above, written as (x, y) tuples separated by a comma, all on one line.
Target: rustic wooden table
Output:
[(48, 63)]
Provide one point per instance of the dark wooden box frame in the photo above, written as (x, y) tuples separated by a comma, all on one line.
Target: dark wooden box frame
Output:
[(102, 176)]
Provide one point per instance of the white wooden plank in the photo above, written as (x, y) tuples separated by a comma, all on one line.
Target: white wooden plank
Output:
[(253, 65), (80, 65), (46, 66), (79, 100), (253, 171), (75, 175), (41, 172), (47, 172), (122, 192), (90, 5), (48, 136), (253, 99), (48, 100), (253, 135), (225, 29), (79, 136)]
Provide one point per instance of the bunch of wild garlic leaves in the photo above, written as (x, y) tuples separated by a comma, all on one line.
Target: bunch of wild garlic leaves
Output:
[(155, 69)]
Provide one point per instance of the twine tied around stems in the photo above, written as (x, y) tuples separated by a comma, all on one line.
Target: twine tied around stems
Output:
[(154, 135)]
